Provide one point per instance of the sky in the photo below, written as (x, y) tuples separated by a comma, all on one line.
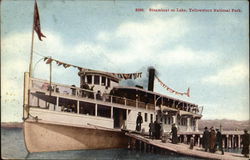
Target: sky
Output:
[(206, 51)]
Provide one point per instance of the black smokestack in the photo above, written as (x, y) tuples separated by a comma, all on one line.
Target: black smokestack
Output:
[(151, 78)]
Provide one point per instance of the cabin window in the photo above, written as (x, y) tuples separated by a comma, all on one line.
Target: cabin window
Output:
[(87, 108), (103, 111), (68, 105), (193, 122), (169, 120), (183, 121), (108, 82), (146, 117), (124, 114), (165, 120), (178, 120), (82, 79), (151, 117), (89, 79), (96, 79), (104, 81)]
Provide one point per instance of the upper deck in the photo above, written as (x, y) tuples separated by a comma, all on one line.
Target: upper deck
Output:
[(119, 107), (157, 99), (122, 97)]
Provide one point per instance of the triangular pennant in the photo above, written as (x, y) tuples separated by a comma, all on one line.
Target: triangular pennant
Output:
[(49, 61)]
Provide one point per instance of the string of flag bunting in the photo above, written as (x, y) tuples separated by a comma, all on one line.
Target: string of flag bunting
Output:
[(171, 90), (125, 76)]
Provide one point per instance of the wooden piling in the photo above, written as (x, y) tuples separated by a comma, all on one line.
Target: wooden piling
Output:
[(239, 145)]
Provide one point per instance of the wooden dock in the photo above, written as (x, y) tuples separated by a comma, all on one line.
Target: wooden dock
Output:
[(182, 149)]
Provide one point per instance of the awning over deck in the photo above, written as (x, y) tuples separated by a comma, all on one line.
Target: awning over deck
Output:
[(189, 114), (166, 109)]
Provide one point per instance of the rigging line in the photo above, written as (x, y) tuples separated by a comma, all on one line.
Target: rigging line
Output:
[(109, 61), (39, 54), (79, 66), (105, 56), (36, 64), (84, 68), (162, 84)]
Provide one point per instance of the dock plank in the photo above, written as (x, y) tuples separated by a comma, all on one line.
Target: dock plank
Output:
[(183, 149)]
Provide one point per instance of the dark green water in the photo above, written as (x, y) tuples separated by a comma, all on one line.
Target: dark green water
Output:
[(12, 147)]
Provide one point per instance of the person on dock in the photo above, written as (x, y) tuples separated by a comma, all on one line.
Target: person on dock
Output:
[(212, 140), (174, 134), (154, 132), (151, 129), (219, 141), (205, 139), (157, 130), (139, 121), (191, 143), (245, 143)]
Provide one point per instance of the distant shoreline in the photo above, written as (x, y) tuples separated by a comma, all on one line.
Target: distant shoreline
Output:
[(227, 125), (11, 124)]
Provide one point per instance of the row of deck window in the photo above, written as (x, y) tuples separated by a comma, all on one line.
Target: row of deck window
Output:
[(87, 108), (98, 80), (66, 105), (146, 117), (142, 100)]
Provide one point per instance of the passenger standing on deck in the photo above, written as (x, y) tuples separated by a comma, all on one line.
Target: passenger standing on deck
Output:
[(212, 140), (105, 96), (245, 143), (219, 141), (205, 139), (98, 95), (174, 134), (139, 121), (151, 129), (73, 90)]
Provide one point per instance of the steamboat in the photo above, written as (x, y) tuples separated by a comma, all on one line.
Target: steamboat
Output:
[(94, 115)]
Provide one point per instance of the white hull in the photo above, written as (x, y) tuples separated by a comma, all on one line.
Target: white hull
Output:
[(45, 137)]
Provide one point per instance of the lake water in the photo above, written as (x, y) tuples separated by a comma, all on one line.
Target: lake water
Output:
[(13, 147)]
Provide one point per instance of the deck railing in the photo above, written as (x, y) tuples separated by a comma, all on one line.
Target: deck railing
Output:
[(141, 104), (67, 90), (131, 103)]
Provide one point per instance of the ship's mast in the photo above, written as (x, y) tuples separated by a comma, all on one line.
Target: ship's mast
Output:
[(26, 96), (32, 44)]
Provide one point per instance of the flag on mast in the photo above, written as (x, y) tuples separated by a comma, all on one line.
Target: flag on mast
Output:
[(37, 26)]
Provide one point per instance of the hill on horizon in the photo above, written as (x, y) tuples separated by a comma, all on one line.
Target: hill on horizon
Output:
[(226, 124)]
